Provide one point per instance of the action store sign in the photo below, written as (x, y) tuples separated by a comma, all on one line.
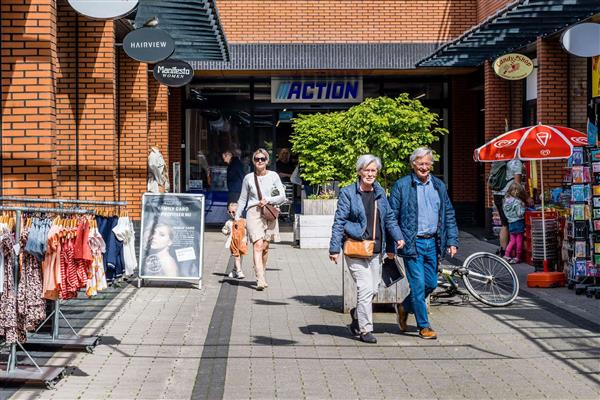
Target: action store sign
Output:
[(149, 45), (171, 243), (513, 66), (104, 9), (342, 90), (173, 72)]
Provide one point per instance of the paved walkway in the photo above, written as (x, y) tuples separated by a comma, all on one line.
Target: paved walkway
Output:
[(290, 341)]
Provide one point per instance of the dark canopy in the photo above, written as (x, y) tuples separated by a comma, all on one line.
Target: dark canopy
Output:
[(511, 28)]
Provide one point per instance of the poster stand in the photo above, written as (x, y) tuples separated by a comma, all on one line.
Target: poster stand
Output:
[(172, 238)]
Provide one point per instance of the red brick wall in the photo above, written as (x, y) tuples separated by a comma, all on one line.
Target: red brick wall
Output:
[(552, 102), (134, 149), (463, 136), (28, 102), (95, 97), (485, 8), (343, 21)]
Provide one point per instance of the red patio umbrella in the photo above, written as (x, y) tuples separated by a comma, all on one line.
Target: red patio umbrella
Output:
[(538, 142)]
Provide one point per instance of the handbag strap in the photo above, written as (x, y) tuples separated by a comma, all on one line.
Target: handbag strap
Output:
[(374, 219), (257, 187)]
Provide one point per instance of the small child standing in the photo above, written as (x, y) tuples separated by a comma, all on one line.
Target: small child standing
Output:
[(514, 209), (236, 240)]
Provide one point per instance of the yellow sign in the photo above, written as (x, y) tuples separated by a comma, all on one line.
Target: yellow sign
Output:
[(596, 76), (513, 66)]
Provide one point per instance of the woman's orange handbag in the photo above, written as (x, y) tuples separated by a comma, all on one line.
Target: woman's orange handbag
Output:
[(361, 248)]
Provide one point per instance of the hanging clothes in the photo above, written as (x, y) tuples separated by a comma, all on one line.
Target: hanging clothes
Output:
[(9, 329), (51, 269), (125, 233), (82, 252), (30, 304), (96, 276), (113, 257)]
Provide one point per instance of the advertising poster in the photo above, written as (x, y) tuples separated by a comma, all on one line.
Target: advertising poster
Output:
[(171, 243), (596, 76)]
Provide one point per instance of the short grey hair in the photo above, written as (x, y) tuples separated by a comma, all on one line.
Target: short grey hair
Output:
[(365, 160), (261, 151), (419, 153)]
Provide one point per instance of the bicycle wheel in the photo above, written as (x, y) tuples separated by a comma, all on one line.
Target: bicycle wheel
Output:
[(490, 279)]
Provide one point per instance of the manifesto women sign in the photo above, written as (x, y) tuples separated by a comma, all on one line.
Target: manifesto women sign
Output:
[(171, 243)]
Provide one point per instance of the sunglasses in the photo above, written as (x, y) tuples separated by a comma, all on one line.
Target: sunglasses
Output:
[(260, 159), (231, 212)]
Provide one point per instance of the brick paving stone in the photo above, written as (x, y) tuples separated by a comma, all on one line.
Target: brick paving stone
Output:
[(291, 342)]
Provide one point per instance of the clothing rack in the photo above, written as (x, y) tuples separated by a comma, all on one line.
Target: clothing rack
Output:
[(74, 340), (35, 373)]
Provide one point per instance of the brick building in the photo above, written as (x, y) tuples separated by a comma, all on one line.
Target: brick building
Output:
[(79, 116)]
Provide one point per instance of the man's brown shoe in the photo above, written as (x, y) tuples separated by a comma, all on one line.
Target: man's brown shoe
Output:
[(401, 317), (427, 333)]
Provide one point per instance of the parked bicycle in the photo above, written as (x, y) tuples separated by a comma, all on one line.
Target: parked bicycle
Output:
[(487, 277)]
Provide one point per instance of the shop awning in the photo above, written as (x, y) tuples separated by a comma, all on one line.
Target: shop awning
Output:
[(193, 24), (511, 28), (319, 56)]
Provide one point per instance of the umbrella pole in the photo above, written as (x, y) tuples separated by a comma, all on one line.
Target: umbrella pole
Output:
[(543, 217)]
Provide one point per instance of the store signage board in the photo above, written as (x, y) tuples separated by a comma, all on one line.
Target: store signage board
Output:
[(173, 72), (172, 235), (595, 82), (341, 90), (582, 40), (103, 9), (513, 66), (149, 45)]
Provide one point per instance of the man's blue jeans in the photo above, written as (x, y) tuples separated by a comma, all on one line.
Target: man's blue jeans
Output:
[(421, 272)]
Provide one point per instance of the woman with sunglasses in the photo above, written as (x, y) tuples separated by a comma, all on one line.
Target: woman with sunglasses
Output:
[(260, 230)]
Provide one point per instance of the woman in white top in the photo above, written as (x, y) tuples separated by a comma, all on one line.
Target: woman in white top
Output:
[(260, 230)]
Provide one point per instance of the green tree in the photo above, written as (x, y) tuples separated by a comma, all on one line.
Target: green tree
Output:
[(329, 144)]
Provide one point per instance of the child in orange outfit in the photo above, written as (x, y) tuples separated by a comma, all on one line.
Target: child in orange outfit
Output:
[(236, 240)]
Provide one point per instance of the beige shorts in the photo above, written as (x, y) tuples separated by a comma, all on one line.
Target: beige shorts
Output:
[(260, 229)]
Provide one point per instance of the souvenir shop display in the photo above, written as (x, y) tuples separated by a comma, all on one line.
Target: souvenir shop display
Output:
[(581, 250), (60, 252)]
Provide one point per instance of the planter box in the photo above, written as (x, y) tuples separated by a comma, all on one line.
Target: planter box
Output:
[(384, 296), (313, 229), (319, 207)]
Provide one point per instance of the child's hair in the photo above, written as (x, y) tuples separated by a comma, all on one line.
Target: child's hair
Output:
[(517, 190), (231, 205)]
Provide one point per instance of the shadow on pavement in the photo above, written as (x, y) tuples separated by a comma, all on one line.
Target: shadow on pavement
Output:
[(269, 341), (330, 302)]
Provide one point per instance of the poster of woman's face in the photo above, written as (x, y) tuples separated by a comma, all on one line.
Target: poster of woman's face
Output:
[(172, 231)]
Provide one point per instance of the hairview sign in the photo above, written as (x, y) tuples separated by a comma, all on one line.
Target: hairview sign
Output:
[(173, 72), (342, 90), (104, 9), (513, 66), (149, 45)]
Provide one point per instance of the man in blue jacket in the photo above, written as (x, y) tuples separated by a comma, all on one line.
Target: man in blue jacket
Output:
[(425, 214)]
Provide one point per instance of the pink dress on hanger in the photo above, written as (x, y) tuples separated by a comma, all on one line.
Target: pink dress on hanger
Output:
[(51, 276), (96, 281)]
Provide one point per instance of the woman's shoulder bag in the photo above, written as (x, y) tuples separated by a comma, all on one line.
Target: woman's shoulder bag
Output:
[(361, 248)]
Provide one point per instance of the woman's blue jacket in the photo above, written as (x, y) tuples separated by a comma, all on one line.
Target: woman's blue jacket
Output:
[(351, 221)]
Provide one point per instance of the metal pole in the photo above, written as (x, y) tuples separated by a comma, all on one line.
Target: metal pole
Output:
[(12, 360), (543, 217)]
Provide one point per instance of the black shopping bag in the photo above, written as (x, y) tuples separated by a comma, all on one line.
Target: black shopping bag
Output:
[(390, 272)]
